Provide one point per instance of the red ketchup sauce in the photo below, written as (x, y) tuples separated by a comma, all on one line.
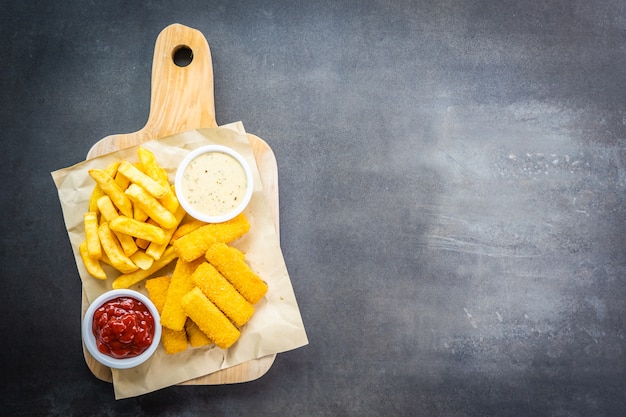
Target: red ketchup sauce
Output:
[(123, 327)]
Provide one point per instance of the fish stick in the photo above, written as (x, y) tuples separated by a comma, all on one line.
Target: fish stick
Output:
[(196, 336), (210, 319), (233, 267), (173, 341), (174, 316), (142, 260), (195, 244), (222, 294), (128, 280)]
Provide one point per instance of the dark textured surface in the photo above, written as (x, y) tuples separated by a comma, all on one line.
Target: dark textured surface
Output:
[(452, 179)]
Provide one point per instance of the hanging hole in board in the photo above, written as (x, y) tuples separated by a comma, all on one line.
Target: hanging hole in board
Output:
[(182, 56)]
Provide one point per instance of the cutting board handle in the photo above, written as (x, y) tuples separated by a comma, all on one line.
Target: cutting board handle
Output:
[(182, 96)]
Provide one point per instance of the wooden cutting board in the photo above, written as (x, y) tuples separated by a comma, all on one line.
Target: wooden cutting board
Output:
[(182, 100)]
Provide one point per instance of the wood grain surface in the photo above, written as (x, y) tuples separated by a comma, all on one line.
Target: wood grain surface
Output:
[(182, 99)]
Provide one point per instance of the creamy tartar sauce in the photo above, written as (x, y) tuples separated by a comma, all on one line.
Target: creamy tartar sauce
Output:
[(214, 183)]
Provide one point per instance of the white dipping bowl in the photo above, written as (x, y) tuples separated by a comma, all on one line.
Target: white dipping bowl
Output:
[(212, 217), (90, 340)]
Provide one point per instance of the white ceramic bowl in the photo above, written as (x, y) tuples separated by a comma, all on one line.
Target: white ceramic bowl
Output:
[(90, 341), (207, 217)]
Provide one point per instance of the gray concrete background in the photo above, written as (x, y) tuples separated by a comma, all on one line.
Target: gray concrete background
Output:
[(452, 183)]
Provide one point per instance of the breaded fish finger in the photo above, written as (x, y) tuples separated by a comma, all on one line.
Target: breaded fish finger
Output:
[(173, 341), (174, 316), (210, 319), (222, 294), (196, 336), (194, 244), (233, 267)]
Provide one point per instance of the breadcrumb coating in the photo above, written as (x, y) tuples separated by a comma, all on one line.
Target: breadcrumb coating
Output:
[(232, 265), (210, 319)]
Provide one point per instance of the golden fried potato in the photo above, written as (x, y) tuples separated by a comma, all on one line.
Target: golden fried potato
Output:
[(153, 187), (155, 250), (90, 220), (141, 230), (109, 213), (151, 167), (142, 260), (114, 250), (91, 264), (113, 190), (151, 206), (139, 214)]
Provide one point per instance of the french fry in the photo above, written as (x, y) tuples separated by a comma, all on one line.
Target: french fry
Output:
[(174, 316), (93, 199), (90, 220), (109, 213), (139, 214), (155, 250), (122, 180), (195, 244), (114, 250), (154, 188), (142, 260), (151, 206), (141, 230), (106, 207), (130, 279), (209, 318), (143, 243), (91, 264), (111, 169), (97, 191), (113, 190), (170, 201), (157, 173), (151, 167)]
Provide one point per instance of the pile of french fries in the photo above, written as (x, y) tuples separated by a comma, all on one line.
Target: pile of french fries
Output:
[(136, 225), (133, 215)]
